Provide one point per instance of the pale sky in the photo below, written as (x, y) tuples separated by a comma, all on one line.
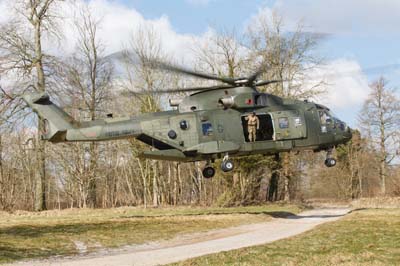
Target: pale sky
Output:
[(361, 34)]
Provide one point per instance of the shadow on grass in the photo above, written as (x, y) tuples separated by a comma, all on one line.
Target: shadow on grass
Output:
[(33, 242), (31, 231), (71, 229), (274, 214), (10, 254), (290, 215), (294, 217)]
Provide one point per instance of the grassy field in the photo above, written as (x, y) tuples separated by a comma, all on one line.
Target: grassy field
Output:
[(365, 237), (37, 235)]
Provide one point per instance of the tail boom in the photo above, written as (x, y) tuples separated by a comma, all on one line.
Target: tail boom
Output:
[(61, 127)]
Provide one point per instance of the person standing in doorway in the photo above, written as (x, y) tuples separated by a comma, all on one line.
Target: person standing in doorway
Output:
[(253, 124)]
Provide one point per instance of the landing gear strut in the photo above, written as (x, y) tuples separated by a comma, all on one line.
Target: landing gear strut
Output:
[(227, 164), (330, 161)]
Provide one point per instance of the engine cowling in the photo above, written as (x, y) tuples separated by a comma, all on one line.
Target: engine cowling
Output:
[(175, 102), (227, 102)]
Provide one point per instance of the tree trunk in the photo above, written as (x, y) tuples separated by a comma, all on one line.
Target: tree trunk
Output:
[(1, 161), (155, 187), (382, 166), (286, 176), (274, 181), (40, 188), (40, 177), (92, 196)]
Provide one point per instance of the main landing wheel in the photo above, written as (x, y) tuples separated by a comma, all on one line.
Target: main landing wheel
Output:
[(227, 165), (208, 172)]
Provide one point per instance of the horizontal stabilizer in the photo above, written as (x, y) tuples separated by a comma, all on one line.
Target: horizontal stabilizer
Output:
[(56, 121)]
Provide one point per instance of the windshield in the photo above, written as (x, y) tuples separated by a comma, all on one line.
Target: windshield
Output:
[(326, 116)]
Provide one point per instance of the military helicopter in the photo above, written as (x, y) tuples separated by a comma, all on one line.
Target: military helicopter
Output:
[(210, 123)]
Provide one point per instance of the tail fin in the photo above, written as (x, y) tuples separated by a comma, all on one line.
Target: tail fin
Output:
[(56, 121)]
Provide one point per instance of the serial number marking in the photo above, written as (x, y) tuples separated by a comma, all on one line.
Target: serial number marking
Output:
[(119, 133)]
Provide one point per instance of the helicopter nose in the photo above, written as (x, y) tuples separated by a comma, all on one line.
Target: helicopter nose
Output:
[(347, 135)]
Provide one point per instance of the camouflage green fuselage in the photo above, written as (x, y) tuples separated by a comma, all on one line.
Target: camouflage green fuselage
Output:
[(207, 125)]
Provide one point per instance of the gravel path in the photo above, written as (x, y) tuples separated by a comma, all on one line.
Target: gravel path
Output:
[(194, 245)]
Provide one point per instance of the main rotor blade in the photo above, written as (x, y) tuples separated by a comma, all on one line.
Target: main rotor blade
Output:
[(267, 82), (255, 75), (190, 89), (182, 70)]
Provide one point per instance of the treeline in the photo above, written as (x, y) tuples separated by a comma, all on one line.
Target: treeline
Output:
[(35, 175)]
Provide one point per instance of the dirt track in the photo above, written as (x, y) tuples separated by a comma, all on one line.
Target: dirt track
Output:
[(195, 245)]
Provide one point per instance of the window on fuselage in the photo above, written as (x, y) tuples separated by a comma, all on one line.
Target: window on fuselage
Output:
[(283, 122), (207, 129)]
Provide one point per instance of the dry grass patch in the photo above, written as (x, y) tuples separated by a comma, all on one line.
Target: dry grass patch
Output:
[(36, 235), (365, 237), (378, 202)]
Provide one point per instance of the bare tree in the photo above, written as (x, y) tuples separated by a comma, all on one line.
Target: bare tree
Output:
[(380, 117), (287, 57), (145, 47), (22, 53), (222, 54), (88, 77)]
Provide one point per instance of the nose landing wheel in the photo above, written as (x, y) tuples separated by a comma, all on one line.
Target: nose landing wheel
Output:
[(227, 164), (330, 161)]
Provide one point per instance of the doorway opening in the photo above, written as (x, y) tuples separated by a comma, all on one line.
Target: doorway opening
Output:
[(266, 131)]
